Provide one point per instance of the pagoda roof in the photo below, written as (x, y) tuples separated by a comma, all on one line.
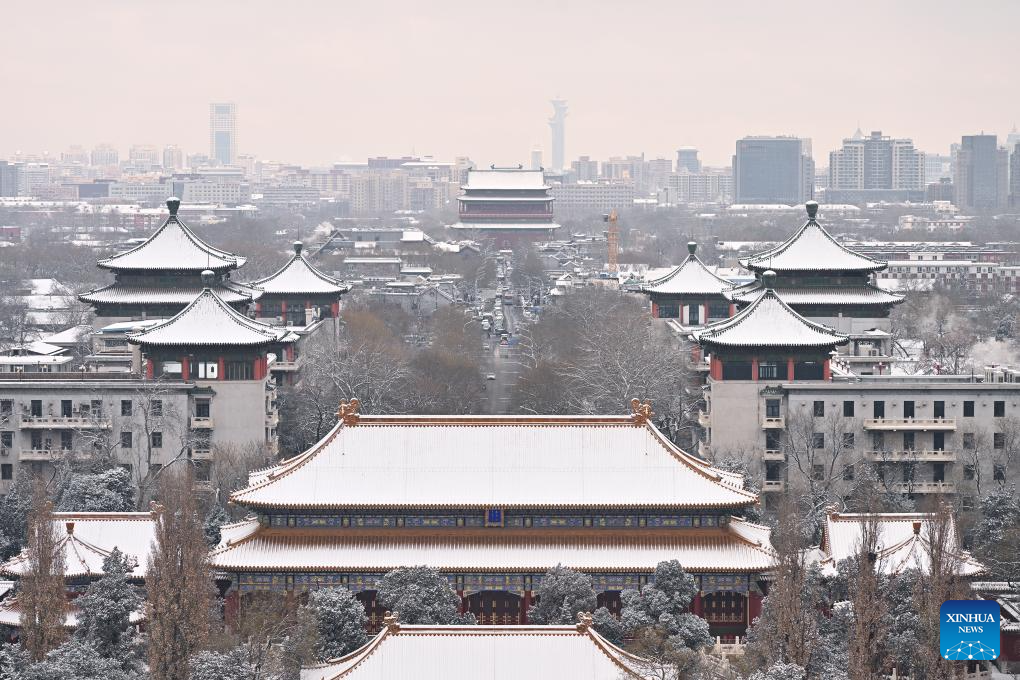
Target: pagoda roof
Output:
[(769, 322), (209, 321), (506, 226), (117, 293), (508, 179), (173, 247), (87, 539), (299, 277), (491, 652), (903, 541), (494, 461), (811, 249), (692, 277), (739, 547), (864, 294)]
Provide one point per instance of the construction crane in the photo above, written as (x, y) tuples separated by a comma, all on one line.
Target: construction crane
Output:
[(612, 242)]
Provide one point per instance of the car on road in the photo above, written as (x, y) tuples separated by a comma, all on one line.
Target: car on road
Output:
[(491, 376)]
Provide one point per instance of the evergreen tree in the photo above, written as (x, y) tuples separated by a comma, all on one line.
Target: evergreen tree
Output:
[(104, 621), (421, 595), (79, 660), (108, 491), (215, 519), (15, 507), (339, 620), (230, 665), (562, 594), (665, 605)]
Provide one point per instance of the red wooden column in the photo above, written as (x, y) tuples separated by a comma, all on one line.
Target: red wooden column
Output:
[(753, 606), (655, 310), (826, 370), (733, 308), (789, 369), (232, 608), (704, 313), (754, 368), (185, 368), (699, 605), (222, 369), (258, 309), (150, 370), (336, 309), (715, 368), (525, 605)]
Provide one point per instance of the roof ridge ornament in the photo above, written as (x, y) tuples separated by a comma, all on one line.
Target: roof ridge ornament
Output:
[(640, 413), (392, 621), (349, 412), (584, 622), (155, 509), (812, 210), (692, 247), (173, 204)]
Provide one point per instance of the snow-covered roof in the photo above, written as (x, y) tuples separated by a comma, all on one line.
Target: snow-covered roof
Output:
[(208, 321), (692, 277), (117, 293), (70, 336), (903, 541), (501, 461), (865, 294), (10, 614), (506, 226), (738, 547), (769, 322), (299, 277), (811, 249), (173, 247), (505, 178), (88, 538), (490, 652), (36, 360)]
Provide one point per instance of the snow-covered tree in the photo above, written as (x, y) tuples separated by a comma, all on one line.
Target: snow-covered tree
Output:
[(607, 625), (214, 519), (15, 507), (104, 621), (230, 665), (562, 595), (13, 662), (421, 595), (779, 671), (339, 620), (79, 660), (106, 491), (997, 532)]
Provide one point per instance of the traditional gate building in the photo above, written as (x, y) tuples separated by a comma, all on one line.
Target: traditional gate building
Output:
[(493, 502)]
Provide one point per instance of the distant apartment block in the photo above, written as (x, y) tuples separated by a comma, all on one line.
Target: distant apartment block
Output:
[(982, 174), (593, 197), (773, 170), (223, 132)]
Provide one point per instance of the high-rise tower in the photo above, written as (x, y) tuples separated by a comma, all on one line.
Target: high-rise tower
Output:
[(223, 132), (557, 125)]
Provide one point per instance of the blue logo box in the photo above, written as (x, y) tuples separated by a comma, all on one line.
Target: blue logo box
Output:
[(969, 630)]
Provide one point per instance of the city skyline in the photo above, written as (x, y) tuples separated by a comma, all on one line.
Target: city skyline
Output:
[(376, 102)]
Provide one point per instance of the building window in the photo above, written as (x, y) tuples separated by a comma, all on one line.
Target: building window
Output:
[(771, 370), (66, 440), (6, 471), (818, 440), (771, 408), (908, 441), (718, 310), (968, 440), (36, 407), (848, 440), (848, 409), (6, 440), (201, 408), (240, 370), (125, 407), (908, 409), (998, 440), (968, 471), (157, 407), (208, 370), (999, 472), (1000, 409), (877, 441), (773, 440), (157, 440), (125, 439), (879, 410), (848, 472), (819, 409), (968, 409), (36, 441), (818, 472), (6, 407)]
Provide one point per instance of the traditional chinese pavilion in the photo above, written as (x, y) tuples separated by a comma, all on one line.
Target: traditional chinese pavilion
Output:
[(492, 652), (493, 502), (505, 203), (298, 293), (690, 293), (163, 275), (830, 284)]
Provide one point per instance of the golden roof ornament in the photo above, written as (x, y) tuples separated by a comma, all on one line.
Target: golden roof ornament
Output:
[(584, 621), (392, 622), (349, 411), (640, 413), (155, 509)]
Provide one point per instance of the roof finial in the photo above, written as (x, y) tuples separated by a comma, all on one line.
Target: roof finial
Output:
[(70, 527), (917, 528), (173, 204), (208, 277), (392, 621), (692, 246), (640, 413), (812, 209), (768, 279), (584, 622), (348, 413), (297, 247)]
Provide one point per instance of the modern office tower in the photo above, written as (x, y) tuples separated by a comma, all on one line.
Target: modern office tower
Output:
[(1013, 138), (75, 154), (937, 167), (173, 157), (773, 170), (630, 168), (687, 158), (982, 174), (1014, 176), (9, 178), (105, 155), (558, 126), (585, 169), (657, 175), (876, 164), (223, 132), (143, 157), (536, 159)]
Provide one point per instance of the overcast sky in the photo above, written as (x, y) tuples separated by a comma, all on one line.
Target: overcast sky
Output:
[(323, 80)]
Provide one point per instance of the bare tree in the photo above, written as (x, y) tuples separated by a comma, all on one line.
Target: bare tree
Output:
[(42, 591), (869, 628), (178, 581), (819, 453)]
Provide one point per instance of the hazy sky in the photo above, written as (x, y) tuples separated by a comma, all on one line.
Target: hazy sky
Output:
[(323, 80)]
